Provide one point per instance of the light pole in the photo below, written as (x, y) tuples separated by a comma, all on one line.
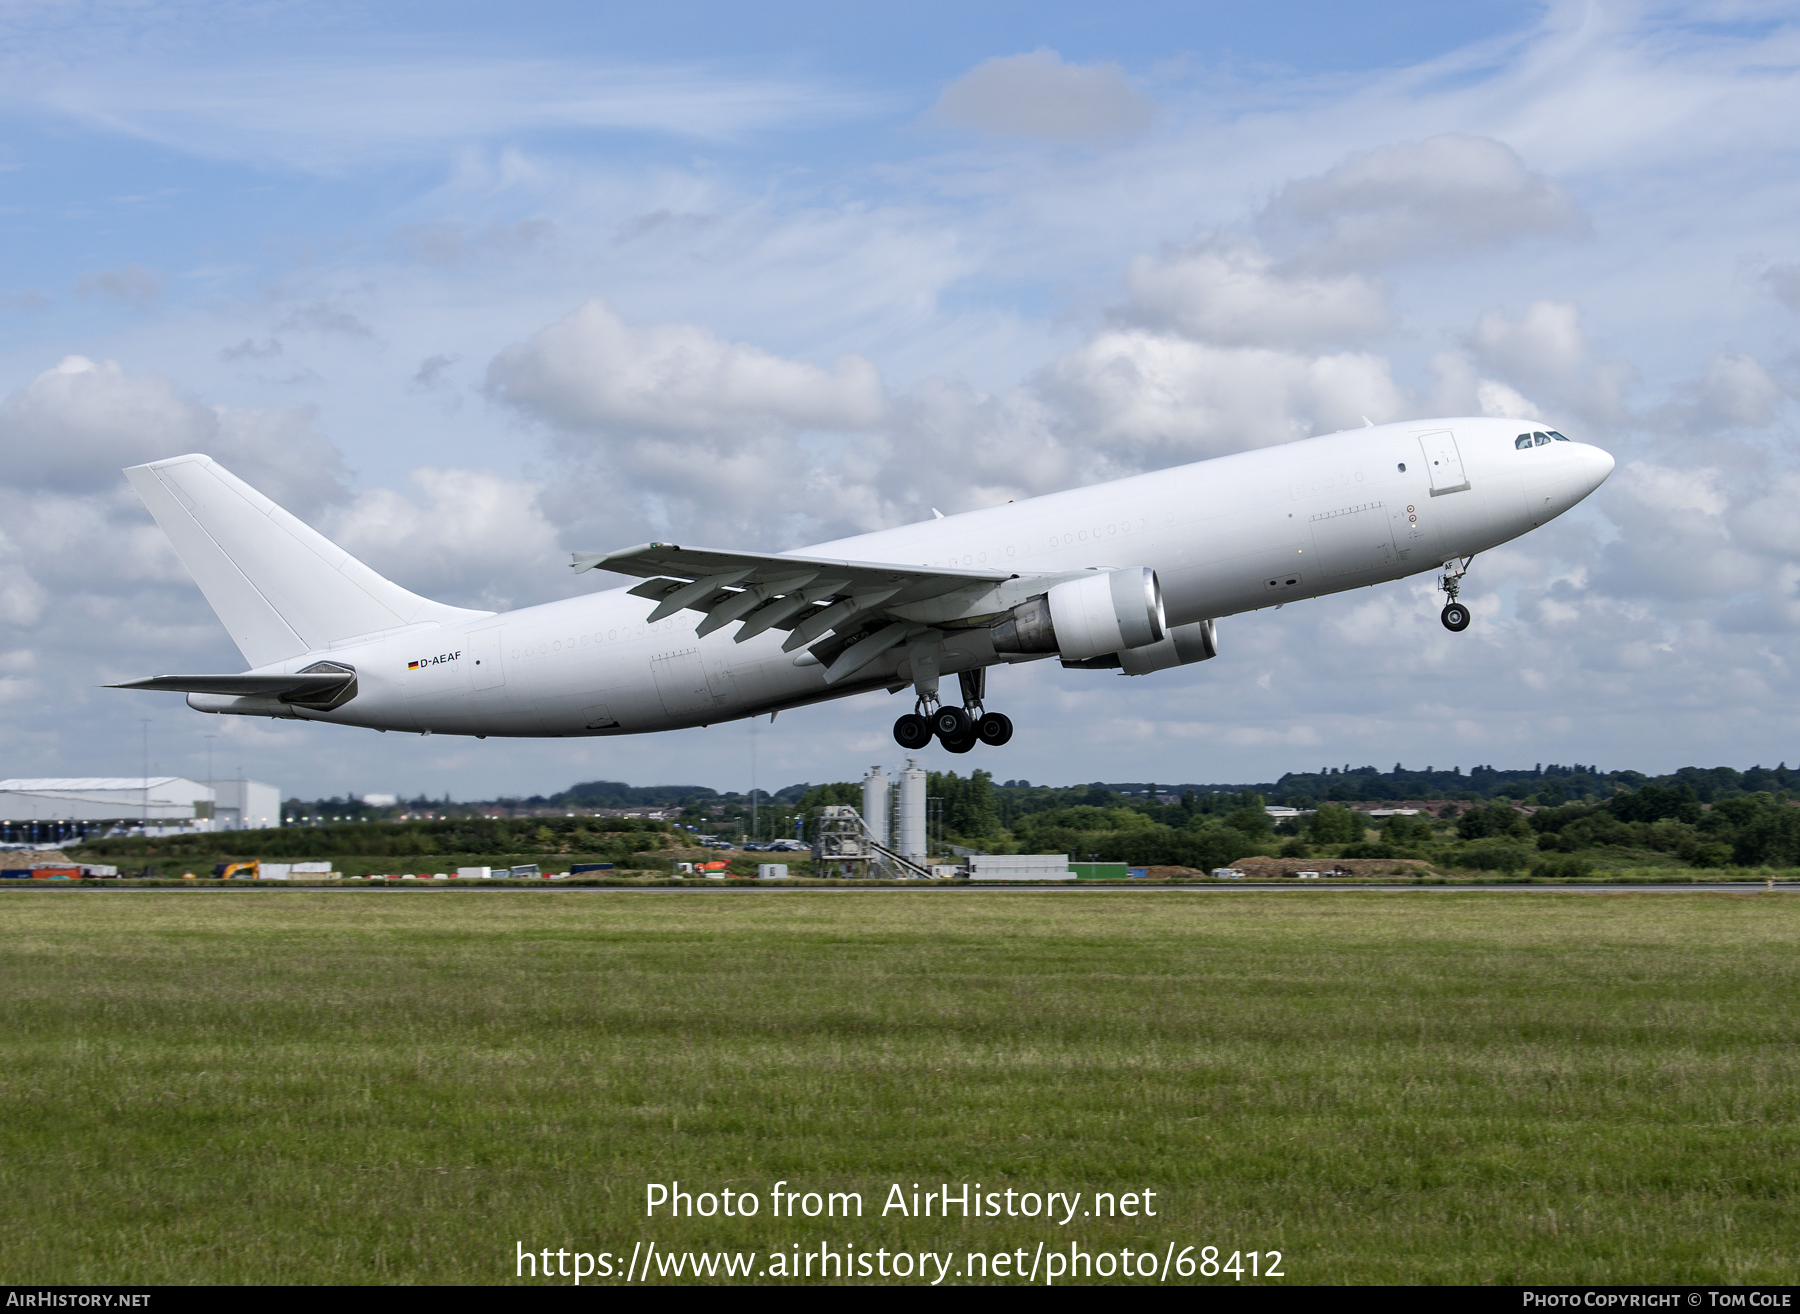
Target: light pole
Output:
[(146, 778)]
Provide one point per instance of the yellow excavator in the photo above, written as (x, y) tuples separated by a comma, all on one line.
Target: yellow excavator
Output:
[(237, 871)]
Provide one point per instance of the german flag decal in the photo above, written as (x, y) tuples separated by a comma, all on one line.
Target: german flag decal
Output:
[(412, 666)]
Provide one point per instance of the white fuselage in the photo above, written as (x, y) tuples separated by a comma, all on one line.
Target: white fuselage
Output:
[(1229, 535)]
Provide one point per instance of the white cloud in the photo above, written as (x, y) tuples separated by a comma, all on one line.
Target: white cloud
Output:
[(1230, 292), (76, 426), (1038, 95), (470, 536), (1545, 342), (592, 370), (1496, 399), (1442, 196), (1768, 523), (328, 113), (1154, 400)]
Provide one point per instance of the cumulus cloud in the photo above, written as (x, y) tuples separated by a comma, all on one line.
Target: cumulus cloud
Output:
[(1232, 293), (1038, 95), (593, 371), (1444, 195), (468, 536), (1156, 399), (1768, 522), (1678, 537), (1734, 392), (1531, 365), (75, 426), (1545, 342), (1496, 399)]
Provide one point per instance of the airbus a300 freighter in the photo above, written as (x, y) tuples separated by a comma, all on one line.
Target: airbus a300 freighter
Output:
[(1127, 576)]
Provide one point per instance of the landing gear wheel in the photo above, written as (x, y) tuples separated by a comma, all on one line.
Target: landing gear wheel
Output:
[(912, 731), (951, 724), (1456, 617), (958, 745), (994, 729)]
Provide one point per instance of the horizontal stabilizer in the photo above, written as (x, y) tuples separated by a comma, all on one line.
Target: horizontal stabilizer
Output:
[(302, 685)]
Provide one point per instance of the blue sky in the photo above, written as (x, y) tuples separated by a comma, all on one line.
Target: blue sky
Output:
[(963, 253)]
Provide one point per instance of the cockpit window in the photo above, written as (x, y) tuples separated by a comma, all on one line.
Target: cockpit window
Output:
[(1559, 438), (1522, 442), (1541, 439)]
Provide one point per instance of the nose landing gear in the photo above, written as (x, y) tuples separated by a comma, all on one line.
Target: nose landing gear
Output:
[(1455, 615)]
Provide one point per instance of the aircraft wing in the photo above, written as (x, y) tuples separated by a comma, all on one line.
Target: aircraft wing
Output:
[(854, 602)]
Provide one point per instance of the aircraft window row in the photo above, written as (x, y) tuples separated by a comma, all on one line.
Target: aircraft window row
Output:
[(1540, 439)]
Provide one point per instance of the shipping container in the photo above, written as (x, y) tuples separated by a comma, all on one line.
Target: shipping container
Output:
[(15, 874), (575, 869), (771, 871), (1100, 871), (474, 873), (1020, 867)]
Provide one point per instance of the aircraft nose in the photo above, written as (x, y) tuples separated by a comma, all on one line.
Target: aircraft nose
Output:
[(1598, 464)]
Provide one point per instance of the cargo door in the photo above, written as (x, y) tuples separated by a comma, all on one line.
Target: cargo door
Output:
[(1354, 540), (681, 681), (1443, 463), (486, 670)]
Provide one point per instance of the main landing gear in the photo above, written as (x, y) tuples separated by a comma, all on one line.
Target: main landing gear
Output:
[(1455, 615), (958, 729)]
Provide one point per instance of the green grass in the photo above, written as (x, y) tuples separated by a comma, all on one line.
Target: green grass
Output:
[(399, 1086)]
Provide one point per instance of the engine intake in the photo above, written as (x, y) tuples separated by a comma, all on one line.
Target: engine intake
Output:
[(1106, 612)]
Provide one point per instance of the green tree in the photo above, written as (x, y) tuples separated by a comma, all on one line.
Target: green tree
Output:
[(1332, 824), (969, 808)]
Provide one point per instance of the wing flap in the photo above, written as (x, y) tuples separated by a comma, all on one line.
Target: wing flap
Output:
[(805, 595)]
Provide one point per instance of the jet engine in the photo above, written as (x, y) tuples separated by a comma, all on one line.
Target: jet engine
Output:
[(1106, 612), (1182, 645)]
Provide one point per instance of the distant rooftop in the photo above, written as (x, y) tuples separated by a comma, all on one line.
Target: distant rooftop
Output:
[(61, 784)]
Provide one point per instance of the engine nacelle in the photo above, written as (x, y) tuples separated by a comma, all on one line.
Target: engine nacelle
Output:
[(1182, 645), (1102, 613)]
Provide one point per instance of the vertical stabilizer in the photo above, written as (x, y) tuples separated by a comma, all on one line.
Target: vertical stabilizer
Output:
[(280, 587)]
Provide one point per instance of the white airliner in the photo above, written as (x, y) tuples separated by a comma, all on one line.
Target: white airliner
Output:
[(1127, 576)]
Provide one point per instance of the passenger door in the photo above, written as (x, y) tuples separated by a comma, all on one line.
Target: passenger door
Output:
[(1444, 463)]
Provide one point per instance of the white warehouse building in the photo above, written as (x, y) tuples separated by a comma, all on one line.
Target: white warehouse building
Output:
[(164, 804)]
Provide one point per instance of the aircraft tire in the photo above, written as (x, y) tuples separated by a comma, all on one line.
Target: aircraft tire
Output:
[(958, 745), (912, 731), (994, 729), (949, 723), (1456, 617)]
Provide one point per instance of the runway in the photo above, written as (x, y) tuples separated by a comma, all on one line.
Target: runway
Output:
[(750, 887)]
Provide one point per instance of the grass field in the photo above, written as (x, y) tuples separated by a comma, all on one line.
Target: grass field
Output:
[(401, 1085)]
